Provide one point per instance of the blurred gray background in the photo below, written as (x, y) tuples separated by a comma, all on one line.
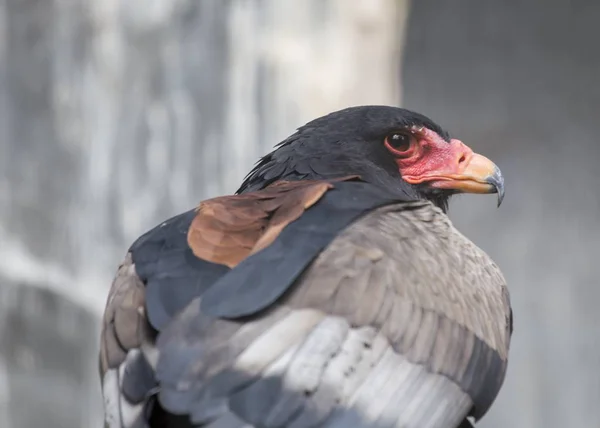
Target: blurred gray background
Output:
[(116, 114)]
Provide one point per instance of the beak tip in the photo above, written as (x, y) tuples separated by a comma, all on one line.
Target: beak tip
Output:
[(497, 180)]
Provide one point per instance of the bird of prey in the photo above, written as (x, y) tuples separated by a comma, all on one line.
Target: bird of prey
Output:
[(330, 291)]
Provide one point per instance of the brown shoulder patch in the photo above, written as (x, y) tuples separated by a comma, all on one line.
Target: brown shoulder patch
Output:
[(228, 229)]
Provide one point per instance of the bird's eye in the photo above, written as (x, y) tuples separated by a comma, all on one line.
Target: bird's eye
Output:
[(399, 143)]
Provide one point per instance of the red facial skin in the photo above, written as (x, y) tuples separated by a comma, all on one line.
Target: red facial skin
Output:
[(428, 158)]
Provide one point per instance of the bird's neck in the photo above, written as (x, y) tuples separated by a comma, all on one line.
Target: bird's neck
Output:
[(274, 167)]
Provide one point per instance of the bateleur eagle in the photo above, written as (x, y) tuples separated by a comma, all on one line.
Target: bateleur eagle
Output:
[(331, 291)]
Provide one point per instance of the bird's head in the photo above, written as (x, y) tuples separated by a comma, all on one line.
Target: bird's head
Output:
[(401, 150)]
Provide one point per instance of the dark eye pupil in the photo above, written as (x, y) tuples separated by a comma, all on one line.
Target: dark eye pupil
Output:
[(399, 142)]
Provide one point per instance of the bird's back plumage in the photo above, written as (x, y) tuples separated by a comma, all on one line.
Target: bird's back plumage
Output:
[(327, 303)]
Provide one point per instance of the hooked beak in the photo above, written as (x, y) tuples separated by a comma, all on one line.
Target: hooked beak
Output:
[(480, 175), (461, 170)]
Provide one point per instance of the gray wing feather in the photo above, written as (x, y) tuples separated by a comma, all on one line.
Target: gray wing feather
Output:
[(127, 351)]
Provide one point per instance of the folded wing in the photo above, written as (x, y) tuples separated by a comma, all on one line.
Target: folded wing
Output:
[(341, 306)]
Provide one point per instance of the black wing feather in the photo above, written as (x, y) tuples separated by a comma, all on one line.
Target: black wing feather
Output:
[(258, 281), (172, 274)]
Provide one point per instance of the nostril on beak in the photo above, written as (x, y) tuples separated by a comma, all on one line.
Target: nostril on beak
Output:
[(461, 153)]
